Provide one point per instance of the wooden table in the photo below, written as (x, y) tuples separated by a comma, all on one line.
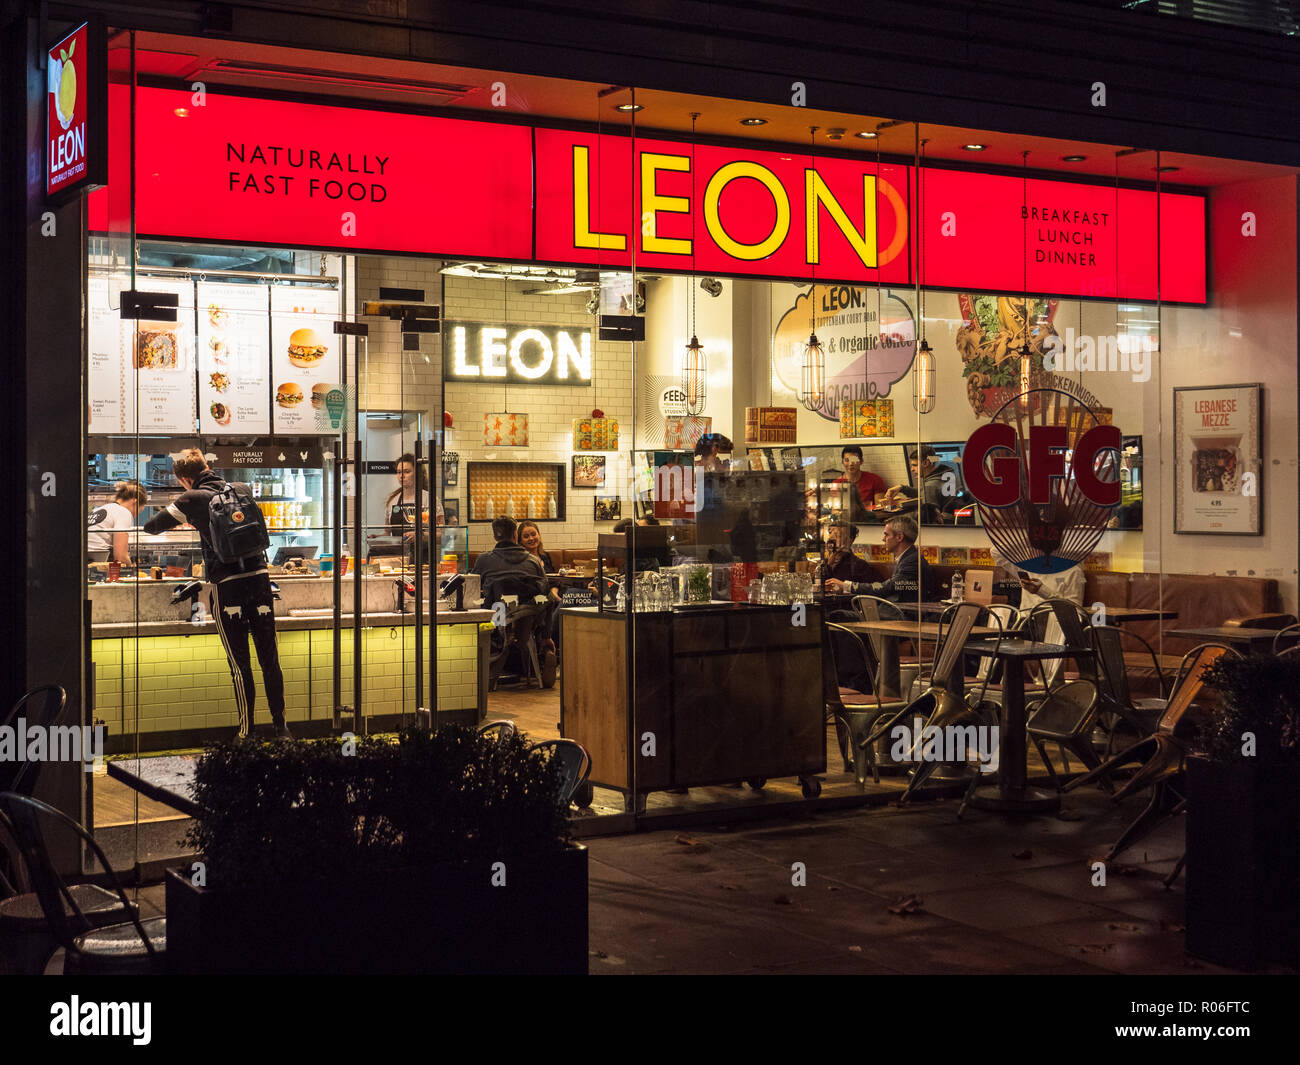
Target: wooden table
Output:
[(1012, 792), (1256, 641), (1119, 614), (895, 632), (914, 609)]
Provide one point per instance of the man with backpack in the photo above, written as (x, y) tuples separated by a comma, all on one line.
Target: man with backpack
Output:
[(234, 538)]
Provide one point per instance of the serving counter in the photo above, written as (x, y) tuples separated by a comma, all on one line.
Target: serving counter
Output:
[(158, 673), (710, 693)]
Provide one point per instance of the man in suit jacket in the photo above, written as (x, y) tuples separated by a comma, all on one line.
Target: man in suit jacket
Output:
[(911, 571)]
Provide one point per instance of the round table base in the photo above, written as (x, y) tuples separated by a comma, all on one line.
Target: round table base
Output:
[(1023, 800)]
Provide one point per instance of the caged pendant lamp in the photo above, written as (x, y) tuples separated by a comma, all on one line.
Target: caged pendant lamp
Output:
[(695, 363), (812, 381)]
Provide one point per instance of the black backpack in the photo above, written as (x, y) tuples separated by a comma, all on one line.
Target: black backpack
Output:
[(236, 524)]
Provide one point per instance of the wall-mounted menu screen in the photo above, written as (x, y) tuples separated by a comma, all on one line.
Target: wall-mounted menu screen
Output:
[(141, 374), (234, 342), (305, 363)]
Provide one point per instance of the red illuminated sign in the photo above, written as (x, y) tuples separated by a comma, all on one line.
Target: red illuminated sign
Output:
[(1000, 485), (309, 175), (74, 113)]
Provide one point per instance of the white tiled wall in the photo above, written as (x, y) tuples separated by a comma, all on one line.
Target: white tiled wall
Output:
[(398, 380)]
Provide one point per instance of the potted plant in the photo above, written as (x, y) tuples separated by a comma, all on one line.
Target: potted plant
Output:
[(1243, 817), (444, 852)]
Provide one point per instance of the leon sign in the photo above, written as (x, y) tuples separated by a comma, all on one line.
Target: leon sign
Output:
[(517, 354), (75, 120)]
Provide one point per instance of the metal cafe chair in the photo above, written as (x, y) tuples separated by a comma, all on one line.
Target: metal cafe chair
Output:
[(1160, 756), (575, 767), (852, 709), (1287, 639), (1113, 688), (1066, 716), (940, 707), (875, 608), (502, 728), (50, 699), (91, 947)]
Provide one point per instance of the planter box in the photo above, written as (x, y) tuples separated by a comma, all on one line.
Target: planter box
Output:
[(435, 919), (1243, 863)]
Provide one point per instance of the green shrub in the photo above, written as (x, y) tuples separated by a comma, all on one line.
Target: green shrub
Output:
[(1259, 694), (273, 813)]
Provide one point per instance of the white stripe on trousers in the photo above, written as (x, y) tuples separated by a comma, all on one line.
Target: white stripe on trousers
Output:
[(236, 674)]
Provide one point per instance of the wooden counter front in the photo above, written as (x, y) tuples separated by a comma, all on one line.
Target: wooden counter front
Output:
[(730, 692)]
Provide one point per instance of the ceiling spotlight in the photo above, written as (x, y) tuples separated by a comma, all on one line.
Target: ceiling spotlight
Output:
[(753, 122), (837, 133), (629, 107), (1073, 158), (711, 285), (867, 134), (974, 147), (593, 303)]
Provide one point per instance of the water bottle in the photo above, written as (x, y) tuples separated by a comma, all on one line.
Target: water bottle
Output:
[(958, 587)]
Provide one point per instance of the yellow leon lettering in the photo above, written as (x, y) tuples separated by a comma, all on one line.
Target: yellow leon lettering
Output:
[(819, 195), (652, 202), (583, 237), (712, 220)]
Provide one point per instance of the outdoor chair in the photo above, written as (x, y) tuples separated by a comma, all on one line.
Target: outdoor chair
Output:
[(49, 700), (575, 764), (1160, 756), (502, 728), (92, 947), (875, 608), (1113, 688), (1066, 716), (852, 698), (938, 706), (1287, 639)]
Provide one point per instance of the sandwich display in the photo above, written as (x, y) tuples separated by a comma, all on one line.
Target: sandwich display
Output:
[(305, 348), (318, 394), (288, 394)]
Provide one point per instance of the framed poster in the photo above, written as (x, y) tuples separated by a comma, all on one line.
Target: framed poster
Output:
[(588, 471), (1217, 459), (608, 508), (450, 469)]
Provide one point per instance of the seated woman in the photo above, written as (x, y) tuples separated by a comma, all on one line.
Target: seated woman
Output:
[(530, 539)]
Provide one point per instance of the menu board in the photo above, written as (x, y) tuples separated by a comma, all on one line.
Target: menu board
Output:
[(141, 374), (305, 363), (234, 360)]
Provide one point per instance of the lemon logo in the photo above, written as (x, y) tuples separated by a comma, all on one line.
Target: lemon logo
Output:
[(65, 95)]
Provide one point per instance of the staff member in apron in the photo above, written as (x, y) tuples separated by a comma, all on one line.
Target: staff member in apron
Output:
[(241, 599), (107, 526)]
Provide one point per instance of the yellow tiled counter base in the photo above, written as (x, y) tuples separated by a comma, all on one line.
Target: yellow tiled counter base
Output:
[(167, 683)]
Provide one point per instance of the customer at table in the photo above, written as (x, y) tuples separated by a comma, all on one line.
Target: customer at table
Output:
[(107, 526), (938, 486), (912, 574), (712, 452), (530, 539), (865, 484), (839, 562), (508, 569)]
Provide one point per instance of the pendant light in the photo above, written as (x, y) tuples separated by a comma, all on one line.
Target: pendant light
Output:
[(695, 364), (923, 366), (871, 416), (812, 385)]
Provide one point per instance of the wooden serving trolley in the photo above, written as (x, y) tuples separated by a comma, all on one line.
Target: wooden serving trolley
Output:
[(698, 695)]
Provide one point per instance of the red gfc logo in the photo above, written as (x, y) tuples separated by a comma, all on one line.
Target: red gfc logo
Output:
[(1045, 475)]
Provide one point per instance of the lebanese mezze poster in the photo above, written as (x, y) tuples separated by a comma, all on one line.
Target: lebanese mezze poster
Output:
[(140, 374), (234, 359), (305, 363), (1217, 463)]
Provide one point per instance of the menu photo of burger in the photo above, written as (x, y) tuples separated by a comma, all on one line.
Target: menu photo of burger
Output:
[(289, 395), (318, 393), (305, 348)]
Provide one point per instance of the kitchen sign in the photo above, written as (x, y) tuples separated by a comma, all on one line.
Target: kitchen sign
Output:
[(517, 354), (76, 115), (243, 170)]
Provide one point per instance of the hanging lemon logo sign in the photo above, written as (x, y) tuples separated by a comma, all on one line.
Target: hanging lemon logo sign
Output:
[(65, 94)]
